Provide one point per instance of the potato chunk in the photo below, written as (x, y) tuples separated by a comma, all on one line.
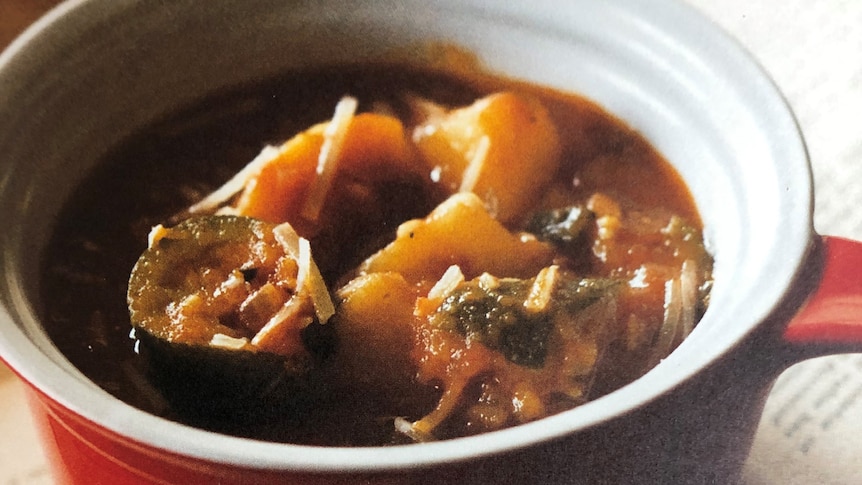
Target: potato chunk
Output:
[(374, 324), (459, 231), (504, 148)]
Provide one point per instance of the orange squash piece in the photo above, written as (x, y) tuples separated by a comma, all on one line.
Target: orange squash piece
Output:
[(375, 148)]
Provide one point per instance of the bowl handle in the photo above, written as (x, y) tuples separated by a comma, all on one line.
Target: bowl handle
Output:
[(831, 319)]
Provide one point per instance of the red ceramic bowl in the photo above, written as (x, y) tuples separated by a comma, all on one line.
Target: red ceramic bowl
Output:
[(92, 72)]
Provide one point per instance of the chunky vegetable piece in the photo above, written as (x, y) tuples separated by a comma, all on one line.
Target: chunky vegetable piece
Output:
[(495, 315), (459, 231), (228, 282), (376, 333), (222, 308), (503, 148)]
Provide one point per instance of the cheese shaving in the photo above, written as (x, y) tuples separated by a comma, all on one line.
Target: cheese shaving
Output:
[(223, 341), (542, 290), (477, 163), (444, 287), (406, 428), (330, 153), (688, 291), (488, 282), (156, 233), (289, 314), (422, 429), (426, 114), (233, 186), (308, 280), (447, 283), (323, 306)]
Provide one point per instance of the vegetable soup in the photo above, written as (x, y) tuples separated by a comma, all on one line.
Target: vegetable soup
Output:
[(375, 255)]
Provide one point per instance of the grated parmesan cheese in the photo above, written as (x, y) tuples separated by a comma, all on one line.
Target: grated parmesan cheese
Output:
[(688, 289), (233, 186), (475, 166), (330, 153), (223, 341), (308, 279), (542, 290), (156, 233), (447, 283)]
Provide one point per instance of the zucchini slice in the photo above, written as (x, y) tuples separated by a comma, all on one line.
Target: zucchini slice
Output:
[(227, 312)]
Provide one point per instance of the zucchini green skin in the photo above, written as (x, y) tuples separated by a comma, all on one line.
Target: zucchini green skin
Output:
[(158, 278), (198, 380), (223, 386)]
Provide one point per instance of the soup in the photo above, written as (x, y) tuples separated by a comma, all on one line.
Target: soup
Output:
[(444, 256)]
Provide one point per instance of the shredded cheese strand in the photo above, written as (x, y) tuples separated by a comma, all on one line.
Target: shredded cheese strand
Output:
[(688, 290), (671, 326), (323, 306), (330, 153), (289, 312), (474, 168), (308, 279), (237, 182), (542, 289), (447, 283), (227, 342), (424, 427)]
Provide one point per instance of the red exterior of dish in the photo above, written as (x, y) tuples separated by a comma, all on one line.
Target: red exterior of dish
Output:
[(833, 312), (81, 452)]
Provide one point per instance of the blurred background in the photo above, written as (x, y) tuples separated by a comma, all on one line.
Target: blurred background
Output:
[(813, 50), (16, 15)]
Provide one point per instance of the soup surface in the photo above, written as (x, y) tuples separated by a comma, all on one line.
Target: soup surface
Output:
[(493, 252)]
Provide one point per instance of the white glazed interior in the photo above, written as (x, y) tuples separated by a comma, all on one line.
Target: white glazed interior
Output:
[(93, 71)]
